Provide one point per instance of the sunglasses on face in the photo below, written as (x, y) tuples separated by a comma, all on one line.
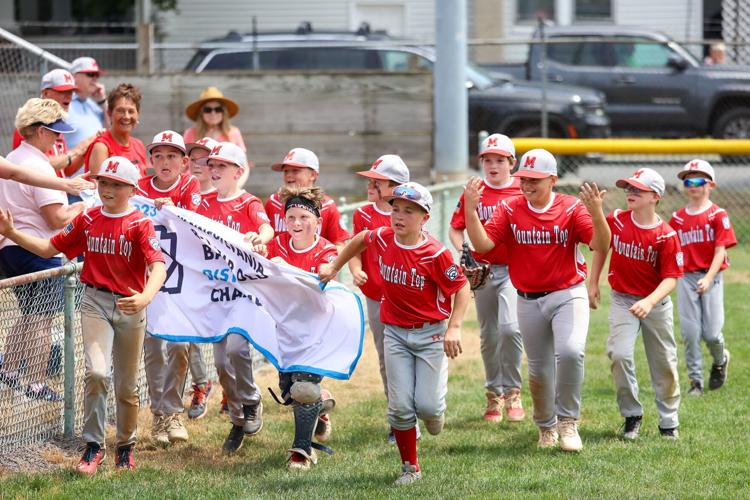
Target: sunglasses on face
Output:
[(633, 190), (91, 75), (694, 182), (215, 109)]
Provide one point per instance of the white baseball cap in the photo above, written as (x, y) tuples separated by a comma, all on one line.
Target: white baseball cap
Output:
[(85, 65), (298, 157), (537, 164), (206, 143), (645, 179), (167, 138), (499, 144), (229, 153), (388, 168), (414, 192), (697, 166), (119, 168), (59, 79)]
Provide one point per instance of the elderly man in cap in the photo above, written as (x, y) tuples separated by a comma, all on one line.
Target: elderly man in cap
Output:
[(88, 108), (59, 86)]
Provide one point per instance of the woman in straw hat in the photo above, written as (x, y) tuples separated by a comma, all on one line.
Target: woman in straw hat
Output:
[(211, 114)]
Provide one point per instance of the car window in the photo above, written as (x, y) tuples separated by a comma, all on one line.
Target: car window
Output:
[(397, 60), (641, 54), (319, 58), (564, 53), (230, 60)]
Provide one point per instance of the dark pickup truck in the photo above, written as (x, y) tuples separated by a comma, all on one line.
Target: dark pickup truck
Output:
[(654, 87)]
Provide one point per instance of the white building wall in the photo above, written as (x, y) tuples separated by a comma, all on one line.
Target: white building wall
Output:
[(198, 20)]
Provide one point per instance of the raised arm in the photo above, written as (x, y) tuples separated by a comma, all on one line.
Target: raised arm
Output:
[(474, 228), (593, 199), (33, 244), (13, 172), (355, 247)]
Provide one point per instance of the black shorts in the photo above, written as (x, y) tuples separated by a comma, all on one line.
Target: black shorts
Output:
[(45, 297)]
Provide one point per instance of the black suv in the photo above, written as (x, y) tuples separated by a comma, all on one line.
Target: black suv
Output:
[(495, 105)]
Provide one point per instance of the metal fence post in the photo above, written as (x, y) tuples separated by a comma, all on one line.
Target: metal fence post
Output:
[(69, 288)]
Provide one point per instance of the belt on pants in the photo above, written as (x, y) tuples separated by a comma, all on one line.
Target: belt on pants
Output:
[(102, 289), (417, 326), (533, 295)]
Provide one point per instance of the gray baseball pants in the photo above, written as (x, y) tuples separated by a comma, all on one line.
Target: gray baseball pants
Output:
[(701, 318), (417, 373), (112, 344), (197, 365), (378, 329), (554, 330), (661, 354), (233, 358), (166, 366), (500, 337)]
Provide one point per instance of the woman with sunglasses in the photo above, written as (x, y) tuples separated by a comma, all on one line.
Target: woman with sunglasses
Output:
[(211, 114), (643, 270)]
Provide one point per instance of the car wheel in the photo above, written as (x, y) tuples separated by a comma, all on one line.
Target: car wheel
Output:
[(734, 124)]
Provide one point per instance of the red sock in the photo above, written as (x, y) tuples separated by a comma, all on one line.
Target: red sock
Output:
[(407, 445)]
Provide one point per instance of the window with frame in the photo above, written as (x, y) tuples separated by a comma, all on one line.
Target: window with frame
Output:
[(531, 10), (641, 54), (586, 10)]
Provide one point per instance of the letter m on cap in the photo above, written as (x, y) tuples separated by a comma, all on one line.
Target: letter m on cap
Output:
[(289, 156), (529, 162), (216, 150), (112, 166), (492, 141), (376, 164), (693, 165), (166, 137)]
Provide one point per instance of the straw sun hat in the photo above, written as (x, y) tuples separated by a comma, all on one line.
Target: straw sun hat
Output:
[(211, 94)]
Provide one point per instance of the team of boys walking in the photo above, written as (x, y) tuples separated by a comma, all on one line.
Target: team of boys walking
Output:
[(536, 300)]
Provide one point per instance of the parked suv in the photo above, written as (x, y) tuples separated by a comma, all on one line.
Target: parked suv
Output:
[(503, 105)]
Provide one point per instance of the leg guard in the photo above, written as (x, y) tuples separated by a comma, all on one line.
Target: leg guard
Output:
[(305, 419)]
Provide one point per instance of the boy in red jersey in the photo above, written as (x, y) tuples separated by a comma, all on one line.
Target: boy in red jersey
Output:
[(166, 362), (300, 167), (196, 152), (541, 231), (419, 278), (500, 337), (123, 270), (705, 234), (236, 208), (303, 248), (386, 173), (646, 262)]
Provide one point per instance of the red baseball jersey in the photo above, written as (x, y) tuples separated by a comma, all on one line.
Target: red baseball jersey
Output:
[(369, 217), (308, 259), (117, 248), (60, 147), (331, 227), (243, 213), (418, 281), (542, 245), (184, 193), (491, 198), (134, 151), (642, 256), (700, 233)]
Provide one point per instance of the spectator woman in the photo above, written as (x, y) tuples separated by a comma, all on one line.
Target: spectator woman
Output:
[(123, 108), (41, 212), (211, 114)]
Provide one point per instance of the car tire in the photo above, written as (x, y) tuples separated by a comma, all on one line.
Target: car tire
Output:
[(733, 124)]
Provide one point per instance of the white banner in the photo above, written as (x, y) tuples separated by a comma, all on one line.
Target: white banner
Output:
[(217, 286)]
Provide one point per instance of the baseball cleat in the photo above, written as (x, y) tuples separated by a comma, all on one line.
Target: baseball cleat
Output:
[(672, 433), (632, 428), (495, 405), (513, 406), (570, 440), (548, 437), (409, 474), (176, 430), (696, 388), (719, 373), (93, 455)]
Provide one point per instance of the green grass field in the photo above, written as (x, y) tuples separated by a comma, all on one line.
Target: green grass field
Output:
[(470, 458)]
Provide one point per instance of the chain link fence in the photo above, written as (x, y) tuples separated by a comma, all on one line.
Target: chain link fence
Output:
[(20, 74)]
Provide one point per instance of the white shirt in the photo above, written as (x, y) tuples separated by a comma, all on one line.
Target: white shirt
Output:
[(25, 201)]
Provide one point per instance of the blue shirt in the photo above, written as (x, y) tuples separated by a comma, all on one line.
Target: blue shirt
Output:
[(86, 116)]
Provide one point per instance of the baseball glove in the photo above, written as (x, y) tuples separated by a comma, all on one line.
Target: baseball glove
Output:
[(476, 272)]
